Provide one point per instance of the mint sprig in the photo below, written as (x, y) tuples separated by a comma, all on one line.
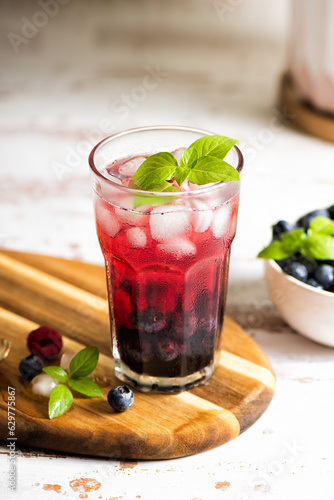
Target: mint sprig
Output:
[(316, 243), (83, 363), (202, 163), (187, 162), (158, 167)]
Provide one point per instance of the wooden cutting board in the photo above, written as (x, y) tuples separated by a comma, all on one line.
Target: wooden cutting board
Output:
[(70, 297)]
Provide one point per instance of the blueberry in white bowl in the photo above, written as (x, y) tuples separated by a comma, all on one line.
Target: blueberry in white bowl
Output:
[(305, 249), (299, 272)]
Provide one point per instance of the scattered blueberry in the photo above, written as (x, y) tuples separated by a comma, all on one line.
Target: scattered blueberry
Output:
[(325, 275), (308, 218), (315, 283), (297, 270), (121, 398), (30, 366), (45, 342), (282, 226)]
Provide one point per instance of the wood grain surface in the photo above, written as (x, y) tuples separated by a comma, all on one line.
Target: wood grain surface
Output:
[(70, 296)]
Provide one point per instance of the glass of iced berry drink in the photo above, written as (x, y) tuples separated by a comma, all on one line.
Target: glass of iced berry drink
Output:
[(167, 259)]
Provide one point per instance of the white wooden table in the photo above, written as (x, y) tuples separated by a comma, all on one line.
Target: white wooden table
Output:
[(59, 94)]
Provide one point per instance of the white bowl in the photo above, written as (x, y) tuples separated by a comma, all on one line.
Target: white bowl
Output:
[(308, 310)]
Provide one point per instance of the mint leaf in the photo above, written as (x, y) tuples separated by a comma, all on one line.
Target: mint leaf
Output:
[(187, 162), (56, 372), (86, 386), (60, 401), (274, 251), (158, 167), (210, 169), (318, 246), (292, 240), (214, 145), (84, 362), (323, 225), (152, 199)]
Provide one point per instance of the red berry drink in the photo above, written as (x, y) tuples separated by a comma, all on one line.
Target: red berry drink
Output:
[(167, 263)]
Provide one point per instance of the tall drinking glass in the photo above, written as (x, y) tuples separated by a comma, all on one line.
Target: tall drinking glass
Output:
[(167, 259)]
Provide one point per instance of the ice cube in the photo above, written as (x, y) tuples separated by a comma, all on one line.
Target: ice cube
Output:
[(129, 168), (66, 358), (136, 237), (178, 248), (132, 217), (202, 216), (169, 222), (43, 384), (107, 219), (221, 221), (178, 153)]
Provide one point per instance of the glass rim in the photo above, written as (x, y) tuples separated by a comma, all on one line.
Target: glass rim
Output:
[(180, 128)]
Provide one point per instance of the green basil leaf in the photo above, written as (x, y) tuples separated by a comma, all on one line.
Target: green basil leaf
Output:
[(210, 169), (274, 251), (187, 162), (323, 225), (158, 167), (86, 386), (214, 145), (60, 401), (84, 362), (152, 199), (56, 372), (292, 240), (318, 246)]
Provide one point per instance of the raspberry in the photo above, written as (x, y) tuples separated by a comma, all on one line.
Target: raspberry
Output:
[(45, 342)]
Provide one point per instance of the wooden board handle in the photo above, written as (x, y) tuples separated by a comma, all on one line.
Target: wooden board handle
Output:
[(47, 300)]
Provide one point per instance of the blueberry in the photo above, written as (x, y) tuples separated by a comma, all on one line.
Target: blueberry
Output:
[(297, 270), (30, 366), (310, 264), (150, 320), (169, 350), (208, 345), (308, 218), (121, 398), (139, 351), (284, 262), (325, 275), (282, 226), (315, 283), (329, 262), (331, 211)]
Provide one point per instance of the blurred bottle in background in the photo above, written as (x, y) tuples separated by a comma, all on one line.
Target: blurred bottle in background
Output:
[(311, 52)]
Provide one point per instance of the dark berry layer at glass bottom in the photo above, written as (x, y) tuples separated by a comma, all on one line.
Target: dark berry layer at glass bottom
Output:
[(162, 354)]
